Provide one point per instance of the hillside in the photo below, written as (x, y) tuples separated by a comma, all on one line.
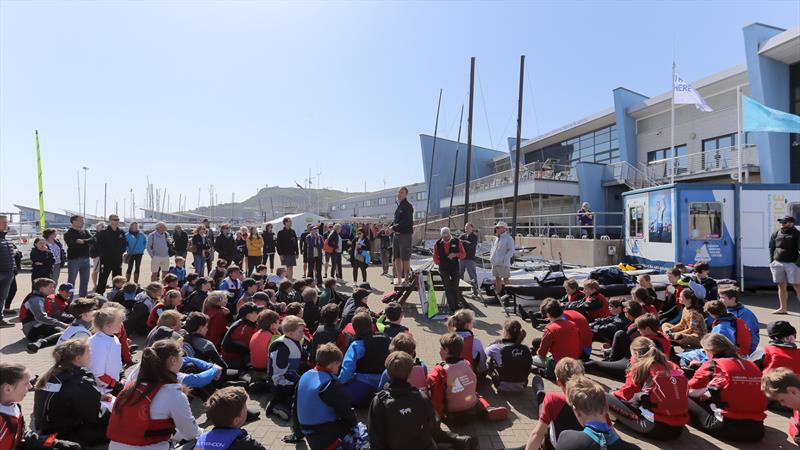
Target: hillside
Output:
[(276, 201)]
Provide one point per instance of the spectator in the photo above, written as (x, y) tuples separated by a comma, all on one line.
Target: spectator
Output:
[(79, 243), (111, 244), (359, 257), (336, 243), (181, 240), (286, 245), (41, 260), (303, 237), (386, 248), (269, 246), (225, 244), (255, 250), (158, 247), (501, 257), (402, 229), (447, 253), (201, 249), (137, 242), (470, 241), (211, 240), (586, 220), (314, 255), (784, 258), (95, 257), (59, 255)]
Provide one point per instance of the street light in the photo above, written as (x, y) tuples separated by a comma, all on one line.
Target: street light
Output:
[(85, 169)]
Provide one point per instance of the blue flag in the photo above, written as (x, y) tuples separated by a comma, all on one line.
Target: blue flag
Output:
[(757, 117)]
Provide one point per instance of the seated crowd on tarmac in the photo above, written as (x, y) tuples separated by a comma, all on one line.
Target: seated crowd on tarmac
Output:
[(690, 358)]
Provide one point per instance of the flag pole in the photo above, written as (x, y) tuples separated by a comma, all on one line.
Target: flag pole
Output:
[(739, 179), (672, 130), (430, 171), (455, 169), (41, 190)]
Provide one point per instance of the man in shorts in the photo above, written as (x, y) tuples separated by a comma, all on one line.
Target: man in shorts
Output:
[(402, 229), (286, 244), (502, 253), (158, 244), (784, 259)]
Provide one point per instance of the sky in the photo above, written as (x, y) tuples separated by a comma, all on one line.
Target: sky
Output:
[(241, 95)]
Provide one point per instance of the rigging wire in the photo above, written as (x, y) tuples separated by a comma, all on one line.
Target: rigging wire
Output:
[(485, 113)]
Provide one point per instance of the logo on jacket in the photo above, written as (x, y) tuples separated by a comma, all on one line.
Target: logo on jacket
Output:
[(405, 411)]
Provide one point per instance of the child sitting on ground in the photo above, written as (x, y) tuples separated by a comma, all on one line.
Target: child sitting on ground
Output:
[(179, 270), (285, 292), (56, 304), (594, 305), (287, 362), (509, 360), (106, 362), (127, 296), (640, 294), (644, 281), (670, 309), (419, 373), (473, 351), (603, 330), (145, 301), (194, 301), (249, 289), (267, 332), (692, 326), (117, 283), (391, 320), (311, 311), (328, 293), (40, 329), (702, 276), (195, 343), (170, 282), (214, 308), (220, 272), (80, 328), (364, 361), (559, 340), (783, 385), (730, 297), (236, 342), (189, 286), (226, 409), (172, 301), (327, 331), (782, 350), (574, 293), (724, 323)]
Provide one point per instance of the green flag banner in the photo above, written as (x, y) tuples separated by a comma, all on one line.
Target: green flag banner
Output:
[(433, 305), (41, 190)]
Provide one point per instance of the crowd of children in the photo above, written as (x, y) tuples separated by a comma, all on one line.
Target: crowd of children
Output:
[(322, 354)]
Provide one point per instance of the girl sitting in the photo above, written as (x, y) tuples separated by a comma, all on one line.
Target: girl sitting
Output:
[(509, 360), (692, 326)]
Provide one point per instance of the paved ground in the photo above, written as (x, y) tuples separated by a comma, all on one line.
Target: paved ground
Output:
[(512, 432)]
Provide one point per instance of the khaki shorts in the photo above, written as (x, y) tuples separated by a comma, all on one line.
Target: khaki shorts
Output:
[(401, 246), (159, 263), (501, 271), (784, 272)]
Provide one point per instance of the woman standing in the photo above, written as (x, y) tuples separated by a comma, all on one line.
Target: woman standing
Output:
[(137, 242), (241, 247), (358, 258), (200, 248), (95, 255), (59, 255), (255, 250), (269, 247)]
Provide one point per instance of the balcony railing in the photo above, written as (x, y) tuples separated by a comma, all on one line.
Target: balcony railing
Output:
[(566, 225), (534, 171), (702, 163), (627, 174)]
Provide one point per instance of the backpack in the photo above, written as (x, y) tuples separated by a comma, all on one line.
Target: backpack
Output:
[(611, 275)]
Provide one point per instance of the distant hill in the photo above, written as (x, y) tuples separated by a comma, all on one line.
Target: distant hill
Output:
[(272, 202)]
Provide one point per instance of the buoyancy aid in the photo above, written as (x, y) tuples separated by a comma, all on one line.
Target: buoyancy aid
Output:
[(418, 377), (131, 423), (466, 349), (376, 349), (742, 333), (447, 265), (736, 389), (217, 439), (794, 426), (311, 410), (25, 314), (602, 311), (517, 360), (461, 384), (782, 355), (12, 426), (601, 433), (667, 395)]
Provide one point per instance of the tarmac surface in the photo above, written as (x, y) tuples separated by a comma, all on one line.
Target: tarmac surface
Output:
[(488, 327)]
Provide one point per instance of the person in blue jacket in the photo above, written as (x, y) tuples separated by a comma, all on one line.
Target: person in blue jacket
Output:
[(364, 361), (137, 242), (226, 409), (730, 297), (723, 322)]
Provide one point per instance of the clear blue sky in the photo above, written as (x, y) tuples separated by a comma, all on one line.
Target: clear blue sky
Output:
[(247, 94)]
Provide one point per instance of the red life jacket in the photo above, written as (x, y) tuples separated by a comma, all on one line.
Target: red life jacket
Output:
[(131, 423), (418, 378), (24, 313), (460, 393), (668, 391), (781, 356), (55, 305), (794, 425), (602, 311), (466, 350), (738, 387), (584, 330), (12, 428)]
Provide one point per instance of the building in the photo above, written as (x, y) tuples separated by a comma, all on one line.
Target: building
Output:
[(628, 146), (380, 204), (28, 215)]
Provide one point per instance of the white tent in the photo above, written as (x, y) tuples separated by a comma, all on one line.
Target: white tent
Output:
[(299, 221)]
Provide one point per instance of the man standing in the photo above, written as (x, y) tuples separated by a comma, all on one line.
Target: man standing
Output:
[(586, 220), (158, 248), (181, 240), (79, 244), (7, 268), (314, 255), (502, 253), (335, 241), (286, 244), (402, 229), (470, 242), (210, 237), (225, 245), (386, 248), (446, 254), (784, 259), (111, 244), (303, 236)]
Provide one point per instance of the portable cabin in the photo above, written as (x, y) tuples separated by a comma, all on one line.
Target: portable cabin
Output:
[(693, 222)]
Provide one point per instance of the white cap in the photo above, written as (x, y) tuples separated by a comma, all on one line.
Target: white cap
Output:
[(501, 224)]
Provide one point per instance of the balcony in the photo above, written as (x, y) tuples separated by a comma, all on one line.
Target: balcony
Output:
[(534, 178), (711, 163)]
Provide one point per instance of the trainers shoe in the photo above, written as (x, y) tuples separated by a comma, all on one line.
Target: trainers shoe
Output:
[(496, 413), (33, 347), (280, 412), (253, 414), (10, 312), (538, 388), (4, 324), (465, 442)]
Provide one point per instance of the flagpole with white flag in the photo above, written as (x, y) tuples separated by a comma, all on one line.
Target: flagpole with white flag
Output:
[(672, 154), (683, 94), (740, 245)]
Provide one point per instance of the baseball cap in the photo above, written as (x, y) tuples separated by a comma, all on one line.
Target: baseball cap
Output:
[(365, 285), (248, 308), (66, 287), (785, 219), (780, 329)]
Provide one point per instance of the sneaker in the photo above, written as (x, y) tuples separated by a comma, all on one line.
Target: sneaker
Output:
[(496, 413), (538, 387), (4, 324), (280, 412), (522, 313), (10, 312), (133, 348), (465, 442), (294, 438), (33, 347), (253, 414)]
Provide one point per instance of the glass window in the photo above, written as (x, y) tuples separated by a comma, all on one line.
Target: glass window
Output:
[(636, 222), (705, 220), (613, 134), (602, 137), (602, 147), (726, 141), (421, 195), (382, 201), (614, 143), (614, 155)]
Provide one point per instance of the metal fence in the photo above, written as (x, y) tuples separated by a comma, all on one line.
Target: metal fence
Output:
[(567, 226), (704, 162), (534, 171)]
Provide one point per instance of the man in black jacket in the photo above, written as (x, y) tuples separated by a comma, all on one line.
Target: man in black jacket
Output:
[(111, 244), (181, 241), (7, 268), (225, 244), (286, 244), (211, 238), (402, 229), (79, 245), (784, 260), (303, 237)]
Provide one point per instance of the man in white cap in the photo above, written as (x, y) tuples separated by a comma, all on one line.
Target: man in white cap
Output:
[(502, 253)]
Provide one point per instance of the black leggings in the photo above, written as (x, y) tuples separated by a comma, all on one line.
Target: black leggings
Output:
[(620, 346), (133, 260), (252, 263), (629, 416), (613, 369), (728, 429), (269, 257), (359, 265), (44, 335)]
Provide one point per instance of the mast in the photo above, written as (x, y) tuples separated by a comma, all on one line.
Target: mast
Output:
[(455, 169), (519, 138), (672, 160), (469, 137), (430, 170)]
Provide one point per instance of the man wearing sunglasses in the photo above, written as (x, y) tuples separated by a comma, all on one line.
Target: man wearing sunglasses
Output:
[(110, 244)]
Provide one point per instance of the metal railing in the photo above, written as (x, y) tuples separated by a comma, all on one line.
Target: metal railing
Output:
[(627, 174), (566, 225), (702, 163), (534, 171)]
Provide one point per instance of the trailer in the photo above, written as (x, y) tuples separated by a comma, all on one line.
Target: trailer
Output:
[(696, 222)]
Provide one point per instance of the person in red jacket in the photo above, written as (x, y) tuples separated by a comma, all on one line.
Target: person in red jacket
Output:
[(560, 339), (214, 308), (236, 343), (725, 393), (654, 400), (782, 350), (172, 300), (783, 385), (584, 332), (641, 295), (267, 323), (594, 305)]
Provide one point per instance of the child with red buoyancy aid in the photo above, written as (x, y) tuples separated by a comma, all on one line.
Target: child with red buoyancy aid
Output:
[(560, 339), (594, 305), (172, 300), (730, 297), (588, 401), (39, 327), (574, 293), (296, 309), (584, 331), (327, 331), (147, 413), (236, 343), (462, 322), (724, 323), (267, 332), (15, 382), (692, 326), (453, 386), (418, 378), (56, 304), (226, 409), (782, 350), (106, 363), (214, 308), (783, 386), (653, 401), (509, 360), (640, 294), (725, 393)]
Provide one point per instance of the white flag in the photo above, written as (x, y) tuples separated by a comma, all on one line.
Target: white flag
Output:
[(684, 94)]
